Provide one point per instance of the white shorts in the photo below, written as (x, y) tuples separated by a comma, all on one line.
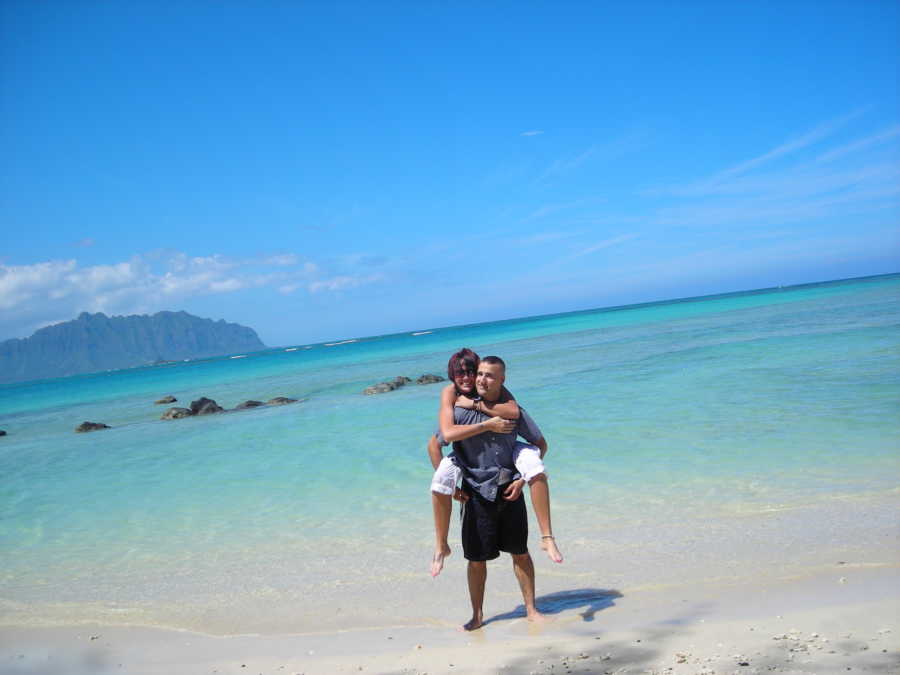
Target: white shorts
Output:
[(527, 459)]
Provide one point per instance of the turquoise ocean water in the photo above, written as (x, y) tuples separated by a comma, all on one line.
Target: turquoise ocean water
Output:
[(716, 409)]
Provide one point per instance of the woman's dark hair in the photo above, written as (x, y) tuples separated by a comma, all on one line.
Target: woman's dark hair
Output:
[(463, 361)]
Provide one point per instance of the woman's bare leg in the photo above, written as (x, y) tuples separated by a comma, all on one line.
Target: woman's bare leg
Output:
[(442, 505), (540, 501)]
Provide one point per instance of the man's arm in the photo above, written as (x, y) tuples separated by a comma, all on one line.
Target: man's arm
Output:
[(458, 432), (528, 429)]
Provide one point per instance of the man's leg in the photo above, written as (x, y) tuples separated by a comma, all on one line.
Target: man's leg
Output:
[(524, 570), (442, 505), (540, 500), (477, 575)]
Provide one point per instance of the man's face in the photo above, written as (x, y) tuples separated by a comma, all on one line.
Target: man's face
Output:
[(489, 380)]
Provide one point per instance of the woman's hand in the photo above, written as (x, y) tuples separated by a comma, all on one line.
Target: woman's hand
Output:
[(464, 402), (499, 425)]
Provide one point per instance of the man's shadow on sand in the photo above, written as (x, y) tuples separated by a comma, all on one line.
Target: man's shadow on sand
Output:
[(593, 599)]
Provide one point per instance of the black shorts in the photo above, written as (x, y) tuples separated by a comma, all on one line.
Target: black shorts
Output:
[(490, 527)]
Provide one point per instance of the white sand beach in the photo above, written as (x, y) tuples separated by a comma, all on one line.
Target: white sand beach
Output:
[(841, 618)]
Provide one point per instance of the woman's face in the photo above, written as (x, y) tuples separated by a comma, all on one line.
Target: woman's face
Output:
[(465, 380)]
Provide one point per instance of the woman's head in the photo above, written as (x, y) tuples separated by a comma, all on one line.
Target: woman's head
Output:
[(461, 370)]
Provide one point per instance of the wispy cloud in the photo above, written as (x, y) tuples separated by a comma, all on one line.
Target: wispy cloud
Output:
[(548, 209), (812, 136), (533, 132), (606, 243), (715, 183), (546, 237), (342, 283), (561, 166), (87, 242), (810, 189), (877, 139)]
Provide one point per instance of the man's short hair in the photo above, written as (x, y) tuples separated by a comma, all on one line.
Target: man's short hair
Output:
[(463, 361), (494, 361)]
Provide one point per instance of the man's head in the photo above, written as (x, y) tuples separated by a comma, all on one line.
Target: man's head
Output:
[(489, 378), (461, 370)]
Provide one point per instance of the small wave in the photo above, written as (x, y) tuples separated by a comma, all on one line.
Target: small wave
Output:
[(342, 342), (242, 356), (423, 332), (291, 349)]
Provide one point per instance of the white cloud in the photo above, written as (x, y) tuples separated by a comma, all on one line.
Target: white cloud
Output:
[(286, 260), (32, 296), (533, 132)]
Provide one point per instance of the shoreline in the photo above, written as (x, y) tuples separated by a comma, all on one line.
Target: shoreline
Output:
[(817, 624)]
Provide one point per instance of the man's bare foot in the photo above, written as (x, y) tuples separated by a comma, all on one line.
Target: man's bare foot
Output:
[(474, 623), (437, 561), (548, 543), (536, 617)]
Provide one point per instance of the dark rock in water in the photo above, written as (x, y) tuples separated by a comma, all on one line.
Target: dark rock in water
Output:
[(166, 399), (2, 433), (280, 400), (428, 378), (248, 404), (380, 388), (205, 406), (90, 426), (176, 414)]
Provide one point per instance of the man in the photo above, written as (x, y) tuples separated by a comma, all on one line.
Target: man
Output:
[(494, 518)]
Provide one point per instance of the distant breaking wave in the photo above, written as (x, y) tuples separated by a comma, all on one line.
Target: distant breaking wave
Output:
[(291, 349), (342, 342), (422, 332), (242, 356)]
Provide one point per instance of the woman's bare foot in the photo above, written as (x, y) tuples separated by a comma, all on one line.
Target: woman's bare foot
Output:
[(437, 561), (548, 543), (474, 623)]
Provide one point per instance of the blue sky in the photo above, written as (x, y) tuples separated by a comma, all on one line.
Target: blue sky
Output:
[(324, 170)]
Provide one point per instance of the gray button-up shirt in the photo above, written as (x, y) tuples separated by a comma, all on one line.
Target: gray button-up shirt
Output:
[(486, 460)]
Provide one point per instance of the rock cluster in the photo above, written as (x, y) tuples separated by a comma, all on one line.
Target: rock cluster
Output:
[(2, 433), (207, 406), (176, 413), (399, 381), (280, 400), (248, 404), (90, 426), (166, 399)]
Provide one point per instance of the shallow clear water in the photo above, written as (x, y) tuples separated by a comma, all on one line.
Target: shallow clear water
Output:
[(712, 408)]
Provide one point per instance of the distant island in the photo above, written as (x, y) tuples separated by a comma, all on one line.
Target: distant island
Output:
[(95, 342)]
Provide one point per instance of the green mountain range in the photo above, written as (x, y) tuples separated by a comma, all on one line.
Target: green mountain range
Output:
[(95, 342)]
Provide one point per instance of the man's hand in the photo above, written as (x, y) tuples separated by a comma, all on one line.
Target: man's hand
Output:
[(499, 425), (514, 489), (460, 496)]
